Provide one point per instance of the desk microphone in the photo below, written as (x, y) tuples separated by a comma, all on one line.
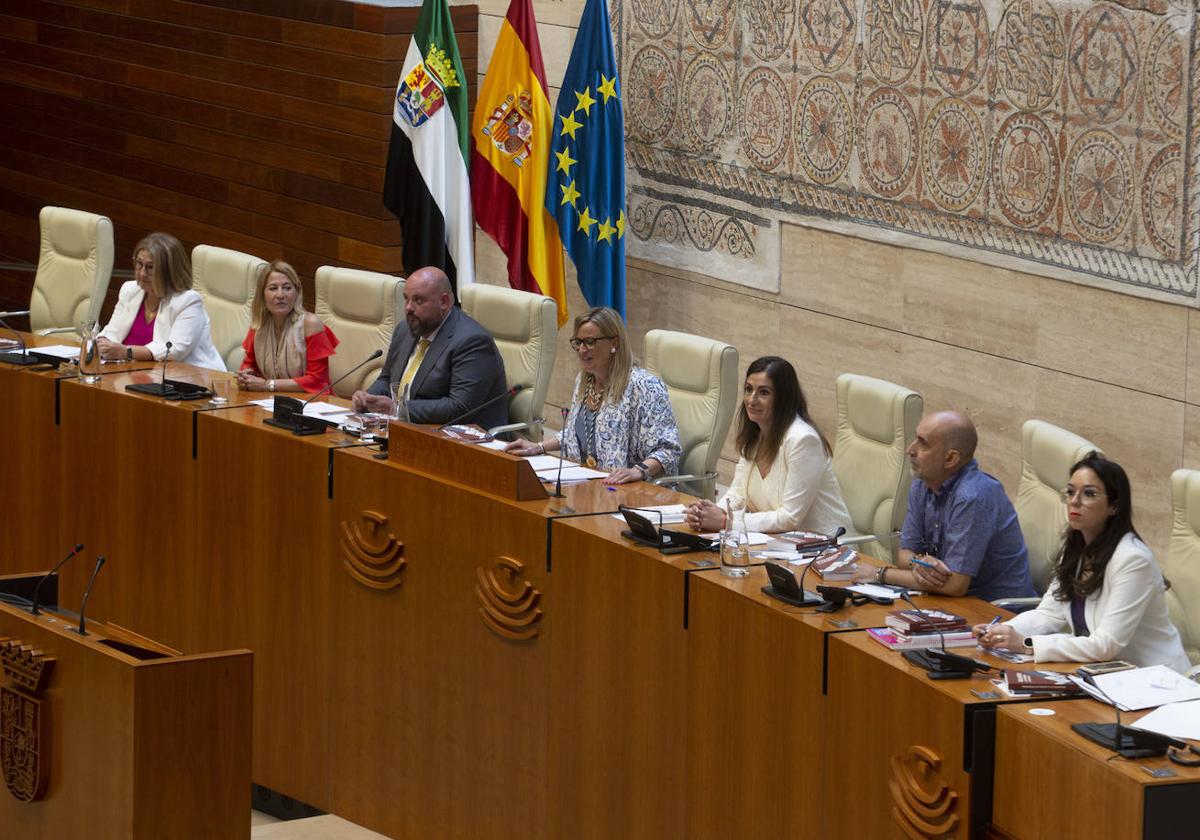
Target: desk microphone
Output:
[(166, 358), (939, 663), (558, 493), (22, 358), (830, 542), (34, 608), (288, 412), (516, 389), (329, 387), (87, 592)]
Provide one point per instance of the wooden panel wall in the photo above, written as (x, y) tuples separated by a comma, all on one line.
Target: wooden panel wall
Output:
[(258, 125)]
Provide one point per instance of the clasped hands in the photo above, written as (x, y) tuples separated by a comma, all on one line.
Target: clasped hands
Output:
[(704, 516), (111, 350), (365, 402)]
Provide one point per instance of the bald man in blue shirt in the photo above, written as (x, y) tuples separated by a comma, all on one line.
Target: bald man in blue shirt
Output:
[(960, 535)]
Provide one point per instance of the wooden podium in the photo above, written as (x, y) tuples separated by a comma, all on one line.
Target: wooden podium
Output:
[(112, 735), (425, 449)]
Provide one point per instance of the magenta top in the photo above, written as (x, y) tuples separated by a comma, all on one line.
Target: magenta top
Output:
[(142, 331)]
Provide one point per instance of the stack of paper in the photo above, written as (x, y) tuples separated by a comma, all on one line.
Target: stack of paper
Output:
[(317, 409)]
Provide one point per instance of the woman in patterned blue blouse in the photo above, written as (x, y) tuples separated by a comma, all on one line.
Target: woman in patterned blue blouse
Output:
[(620, 418)]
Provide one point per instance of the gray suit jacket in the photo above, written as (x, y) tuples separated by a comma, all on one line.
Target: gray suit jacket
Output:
[(462, 369)]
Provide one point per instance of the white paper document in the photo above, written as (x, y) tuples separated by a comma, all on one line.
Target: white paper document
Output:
[(873, 590), (754, 537), (1178, 720), (571, 474), (671, 514), (317, 409), (59, 351), (1145, 688)]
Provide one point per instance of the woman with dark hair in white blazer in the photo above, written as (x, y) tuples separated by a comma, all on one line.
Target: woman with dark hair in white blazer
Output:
[(1108, 597), (784, 476), (158, 306)]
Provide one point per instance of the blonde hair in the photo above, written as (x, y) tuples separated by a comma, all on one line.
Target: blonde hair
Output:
[(172, 267), (258, 310), (609, 322)]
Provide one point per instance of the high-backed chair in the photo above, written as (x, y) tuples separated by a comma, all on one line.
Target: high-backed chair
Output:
[(1182, 568), (525, 327), (701, 376), (74, 267), (1047, 455), (362, 308), (226, 280), (877, 420)]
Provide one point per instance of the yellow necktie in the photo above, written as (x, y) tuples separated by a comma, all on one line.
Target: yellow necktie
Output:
[(414, 363)]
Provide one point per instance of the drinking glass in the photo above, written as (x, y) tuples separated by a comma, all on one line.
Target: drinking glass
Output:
[(89, 353)]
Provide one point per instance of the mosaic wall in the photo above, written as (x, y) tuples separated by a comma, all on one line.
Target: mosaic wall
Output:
[(1051, 136)]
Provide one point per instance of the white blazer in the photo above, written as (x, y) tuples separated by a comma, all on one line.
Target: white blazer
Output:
[(800, 491), (1127, 617), (181, 320)]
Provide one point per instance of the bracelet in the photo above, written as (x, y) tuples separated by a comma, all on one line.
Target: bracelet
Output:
[(270, 384), (881, 576), (542, 446)]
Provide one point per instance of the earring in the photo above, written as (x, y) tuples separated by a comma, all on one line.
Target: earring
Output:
[(613, 350)]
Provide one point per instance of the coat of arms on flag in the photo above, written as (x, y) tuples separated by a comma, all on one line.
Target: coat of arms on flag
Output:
[(511, 127), (421, 93)]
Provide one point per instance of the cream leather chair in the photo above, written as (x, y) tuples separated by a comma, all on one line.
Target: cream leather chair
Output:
[(74, 268), (1047, 455), (877, 420), (1183, 560), (525, 327), (226, 280), (362, 308), (701, 376)]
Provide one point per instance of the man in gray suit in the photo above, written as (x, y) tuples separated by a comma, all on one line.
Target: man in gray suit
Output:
[(450, 362)]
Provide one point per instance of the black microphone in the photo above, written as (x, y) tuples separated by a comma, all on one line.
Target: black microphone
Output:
[(558, 493), (939, 663), (516, 389), (87, 592), (329, 387), (166, 358), (34, 609), (288, 412), (22, 358), (831, 542)]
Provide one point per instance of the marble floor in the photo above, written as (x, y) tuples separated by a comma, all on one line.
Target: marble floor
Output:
[(327, 827)]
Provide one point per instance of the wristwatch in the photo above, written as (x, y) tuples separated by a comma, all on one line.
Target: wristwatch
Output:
[(129, 354), (270, 384), (1028, 642), (641, 465)]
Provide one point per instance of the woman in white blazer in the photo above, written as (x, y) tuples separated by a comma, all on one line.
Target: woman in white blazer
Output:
[(1108, 597), (784, 476), (159, 306)]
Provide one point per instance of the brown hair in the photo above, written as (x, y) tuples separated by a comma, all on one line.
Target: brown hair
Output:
[(172, 267)]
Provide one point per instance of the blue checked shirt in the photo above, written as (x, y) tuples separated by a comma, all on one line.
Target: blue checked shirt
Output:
[(971, 526)]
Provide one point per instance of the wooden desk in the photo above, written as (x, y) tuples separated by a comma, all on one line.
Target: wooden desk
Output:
[(617, 680), (1052, 783), (757, 705), (127, 489), (265, 559), (890, 730), (446, 614), (134, 748)]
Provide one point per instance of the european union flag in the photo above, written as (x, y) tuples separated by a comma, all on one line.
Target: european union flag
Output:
[(585, 190)]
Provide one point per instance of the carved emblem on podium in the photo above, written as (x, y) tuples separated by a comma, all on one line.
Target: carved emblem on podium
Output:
[(508, 604), (923, 804), (370, 553), (24, 720)]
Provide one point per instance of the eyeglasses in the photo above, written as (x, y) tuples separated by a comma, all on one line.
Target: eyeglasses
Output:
[(1086, 495), (147, 267), (589, 343)]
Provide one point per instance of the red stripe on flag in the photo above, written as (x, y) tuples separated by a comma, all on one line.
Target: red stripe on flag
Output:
[(520, 18), (499, 212)]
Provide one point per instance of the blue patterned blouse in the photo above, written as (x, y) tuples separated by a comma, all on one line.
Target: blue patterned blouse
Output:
[(640, 426)]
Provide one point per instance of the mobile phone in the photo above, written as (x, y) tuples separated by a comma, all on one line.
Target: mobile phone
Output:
[(1095, 669)]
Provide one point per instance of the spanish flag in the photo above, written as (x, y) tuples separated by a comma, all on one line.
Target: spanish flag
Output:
[(511, 130)]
